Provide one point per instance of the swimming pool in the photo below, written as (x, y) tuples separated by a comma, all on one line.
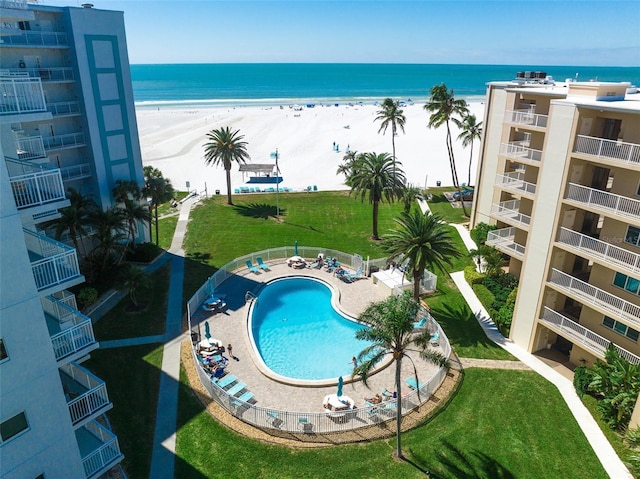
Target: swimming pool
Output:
[(298, 333)]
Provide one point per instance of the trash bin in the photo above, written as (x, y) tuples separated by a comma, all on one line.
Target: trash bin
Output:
[(217, 192), (438, 183), (373, 269)]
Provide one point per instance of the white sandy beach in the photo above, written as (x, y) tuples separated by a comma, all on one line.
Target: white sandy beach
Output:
[(172, 139)]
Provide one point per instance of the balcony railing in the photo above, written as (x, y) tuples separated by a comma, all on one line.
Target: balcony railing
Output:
[(21, 95), (507, 211), (63, 141), (48, 39), (30, 148), (64, 108), (52, 74), (36, 189), (18, 4), (603, 201), (77, 333), (92, 400), (504, 240), (75, 172), (60, 305), (526, 117), (606, 252), (590, 295), (105, 455), (626, 153), (514, 182), (520, 152), (582, 336), (53, 263)]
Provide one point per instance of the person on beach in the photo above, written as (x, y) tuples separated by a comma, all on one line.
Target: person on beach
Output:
[(230, 351), (354, 361)]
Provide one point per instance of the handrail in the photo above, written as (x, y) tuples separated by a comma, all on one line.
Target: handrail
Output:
[(623, 152)]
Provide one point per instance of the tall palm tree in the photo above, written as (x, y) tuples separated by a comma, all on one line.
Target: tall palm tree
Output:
[(471, 131), (134, 212), (158, 189), (225, 147), (444, 107), (134, 280), (126, 189), (348, 166), (391, 115), (109, 233), (378, 177), (75, 218), (424, 241), (410, 195), (391, 334)]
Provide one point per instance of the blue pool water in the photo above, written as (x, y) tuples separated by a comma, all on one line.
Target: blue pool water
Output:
[(299, 335)]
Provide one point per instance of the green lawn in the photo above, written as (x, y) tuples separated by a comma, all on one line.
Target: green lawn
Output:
[(491, 426), (166, 229), (441, 206)]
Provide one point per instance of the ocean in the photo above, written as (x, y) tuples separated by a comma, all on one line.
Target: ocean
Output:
[(326, 83)]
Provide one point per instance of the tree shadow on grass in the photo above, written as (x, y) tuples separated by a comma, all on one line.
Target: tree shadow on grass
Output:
[(456, 464), (255, 210), (461, 326)]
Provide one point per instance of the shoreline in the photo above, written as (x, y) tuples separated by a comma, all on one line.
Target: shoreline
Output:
[(172, 138)]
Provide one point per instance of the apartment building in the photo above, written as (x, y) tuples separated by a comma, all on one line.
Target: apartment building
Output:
[(559, 175), (67, 119)]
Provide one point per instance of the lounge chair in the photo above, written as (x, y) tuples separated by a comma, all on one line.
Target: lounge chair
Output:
[(420, 324), (252, 268), (261, 264), (227, 380), (307, 427), (351, 277), (236, 388), (435, 339), (413, 384)]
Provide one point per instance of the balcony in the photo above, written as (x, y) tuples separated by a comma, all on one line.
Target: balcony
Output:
[(64, 108), (619, 152), (526, 117), (58, 142), (86, 393), (35, 186), (99, 449), (30, 148), (47, 74), (600, 251), (603, 202), (504, 240), (37, 39), (54, 264), (75, 172), (19, 95), (600, 300), (514, 183), (71, 331), (582, 336), (507, 212), (520, 152)]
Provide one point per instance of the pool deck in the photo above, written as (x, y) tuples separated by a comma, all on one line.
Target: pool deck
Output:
[(231, 327)]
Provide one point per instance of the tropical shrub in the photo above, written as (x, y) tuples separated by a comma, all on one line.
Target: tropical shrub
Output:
[(485, 296), (582, 377), (480, 232), (472, 276), (86, 297), (144, 253), (504, 316)]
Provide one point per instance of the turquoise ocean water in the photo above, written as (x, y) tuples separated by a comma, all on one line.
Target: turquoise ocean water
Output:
[(263, 84)]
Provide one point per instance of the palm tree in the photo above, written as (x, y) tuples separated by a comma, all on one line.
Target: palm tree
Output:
[(109, 226), (471, 131), (133, 280), (391, 115), (391, 334), (349, 165), (424, 241), (410, 195), (126, 189), (158, 189), (377, 177), (444, 107), (225, 147), (133, 212), (76, 217)]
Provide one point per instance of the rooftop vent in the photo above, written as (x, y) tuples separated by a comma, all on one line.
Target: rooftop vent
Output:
[(87, 5)]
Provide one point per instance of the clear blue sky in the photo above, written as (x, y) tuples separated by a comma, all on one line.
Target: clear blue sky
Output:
[(525, 32)]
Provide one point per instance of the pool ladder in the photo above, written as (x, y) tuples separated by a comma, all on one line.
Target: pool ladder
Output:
[(249, 296)]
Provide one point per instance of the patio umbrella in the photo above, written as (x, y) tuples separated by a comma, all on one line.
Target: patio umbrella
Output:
[(295, 248), (340, 382), (210, 288), (207, 333)]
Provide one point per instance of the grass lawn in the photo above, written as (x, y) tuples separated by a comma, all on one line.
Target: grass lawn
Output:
[(118, 323), (491, 426), (132, 375), (166, 229), (441, 206)]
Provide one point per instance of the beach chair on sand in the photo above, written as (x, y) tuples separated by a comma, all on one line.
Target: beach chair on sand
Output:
[(252, 268), (261, 264), (420, 324)]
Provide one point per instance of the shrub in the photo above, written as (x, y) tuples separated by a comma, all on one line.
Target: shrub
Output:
[(479, 233), (582, 377), (484, 295), (87, 296), (472, 276), (144, 253)]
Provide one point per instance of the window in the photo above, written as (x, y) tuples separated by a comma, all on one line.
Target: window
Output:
[(13, 426), (628, 283), (621, 328), (3, 351), (633, 236)]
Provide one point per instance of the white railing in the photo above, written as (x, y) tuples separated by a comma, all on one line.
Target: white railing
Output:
[(607, 252), (526, 117), (75, 172), (21, 95), (508, 211), (322, 422), (63, 141), (60, 305), (46, 74), (626, 153), (580, 335), (106, 455), (504, 240), (608, 202), (18, 4), (514, 181), (589, 294), (49, 39), (59, 262), (30, 148), (77, 338), (64, 108), (519, 151), (92, 400), (35, 189)]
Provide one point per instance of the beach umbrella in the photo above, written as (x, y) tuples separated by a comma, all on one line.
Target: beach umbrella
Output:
[(207, 332), (340, 383), (295, 248), (210, 288)]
